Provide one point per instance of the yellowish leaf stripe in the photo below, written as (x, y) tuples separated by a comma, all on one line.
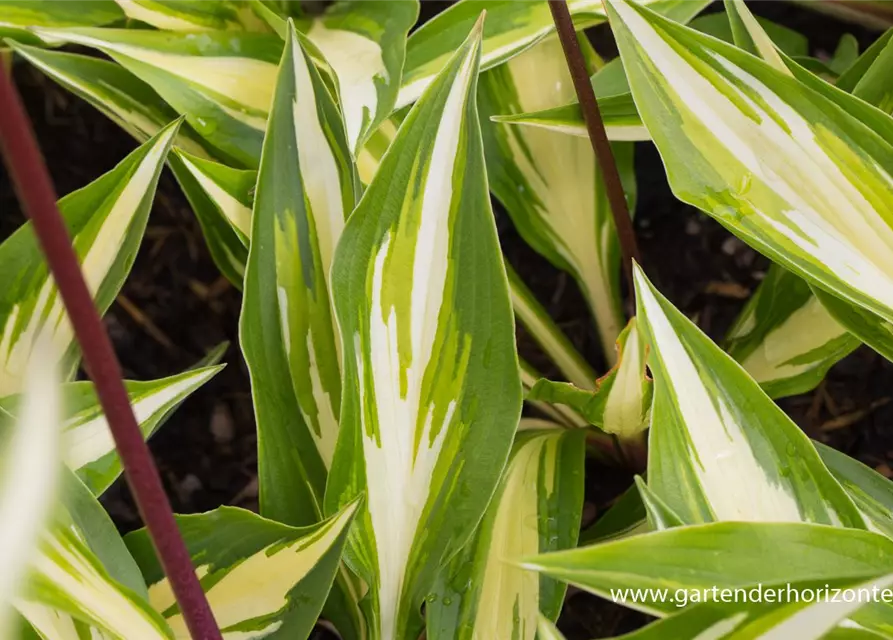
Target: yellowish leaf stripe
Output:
[(720, 449), (550, 183), (67, 576), (106, 219), (511, 28), (262, 578), (536, 509), (18, 16), (547, 630), (221, 81), (424, 348), (784, 337), (29, 462), (194, 15), (770, 157), (305, 191)]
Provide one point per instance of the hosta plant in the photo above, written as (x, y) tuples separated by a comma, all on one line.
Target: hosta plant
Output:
[(342, 174)]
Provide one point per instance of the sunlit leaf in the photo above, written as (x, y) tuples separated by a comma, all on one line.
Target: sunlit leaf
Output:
[(193, 15), (18, 16)]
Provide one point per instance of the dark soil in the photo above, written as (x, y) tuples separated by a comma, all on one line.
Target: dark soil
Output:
[(175, 307)]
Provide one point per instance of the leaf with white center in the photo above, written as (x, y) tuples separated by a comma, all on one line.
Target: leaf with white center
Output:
[(18, 16), (305, 192), (125, 99), (193, 15), (785, 338), (263, 579), (774, 619), (773, 158), (29, 469), (431, 390), (222, 82), (483, 592), (550, 183), (719, 448), (723, 554), (221, 198), (621, 401), (512, 27), (530, 313), (106, 220), (872, 492)]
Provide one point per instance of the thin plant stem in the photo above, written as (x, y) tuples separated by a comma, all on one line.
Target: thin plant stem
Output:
[(35, 191)]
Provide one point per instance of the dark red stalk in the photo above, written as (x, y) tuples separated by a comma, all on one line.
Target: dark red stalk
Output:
[(38, 198), (597, 136)]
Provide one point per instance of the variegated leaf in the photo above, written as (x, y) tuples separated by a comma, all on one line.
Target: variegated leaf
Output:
[(106, 220), (221, 198), (720, 449), (774, 619), (512, 27), (872, 492), (221, 81), (547, 334), (18, 16), (483, 593), (431, 390), (378, 142), (773, 158), (194, 15), (29, 469), (125, 99), (621, 401), (550, 183), (785, 338), (263, 579), (725, 555), (305, 192), (546, 629)]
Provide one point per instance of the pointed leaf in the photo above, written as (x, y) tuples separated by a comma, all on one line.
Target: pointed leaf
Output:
[(660, 516), (106, 220), (423, 350), (856, 72), (263, 579), (772, 158), (550, 184), (536, 509), (718, 25), (719, 448), (193, 15), (222, 82), (626, 517), (785, 338), (749, 35)]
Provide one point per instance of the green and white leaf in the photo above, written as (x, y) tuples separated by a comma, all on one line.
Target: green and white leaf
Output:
[(18, 16), (29, 450), (378, 142), (512, 27), (550, 183), (194, 15), (222, 198), (872, 492), (775, 159), (723, 554), (106, 220), (128, 101), (263, 579), (772, 621), (785, 338), (719, 448), (530, 313), (305, 192), (483, 593), (431, 393), (621, 401), (221, 81)]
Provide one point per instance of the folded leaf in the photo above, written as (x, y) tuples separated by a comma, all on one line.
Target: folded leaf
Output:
[(483, 593), (431, 395), (193, 15), (785, 338), (106, 220), (560, 413), (659, 515), (221, 81), (511, 28), (262, 579), (29, 469), (550, 183), (772, 158), (719, 448)]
